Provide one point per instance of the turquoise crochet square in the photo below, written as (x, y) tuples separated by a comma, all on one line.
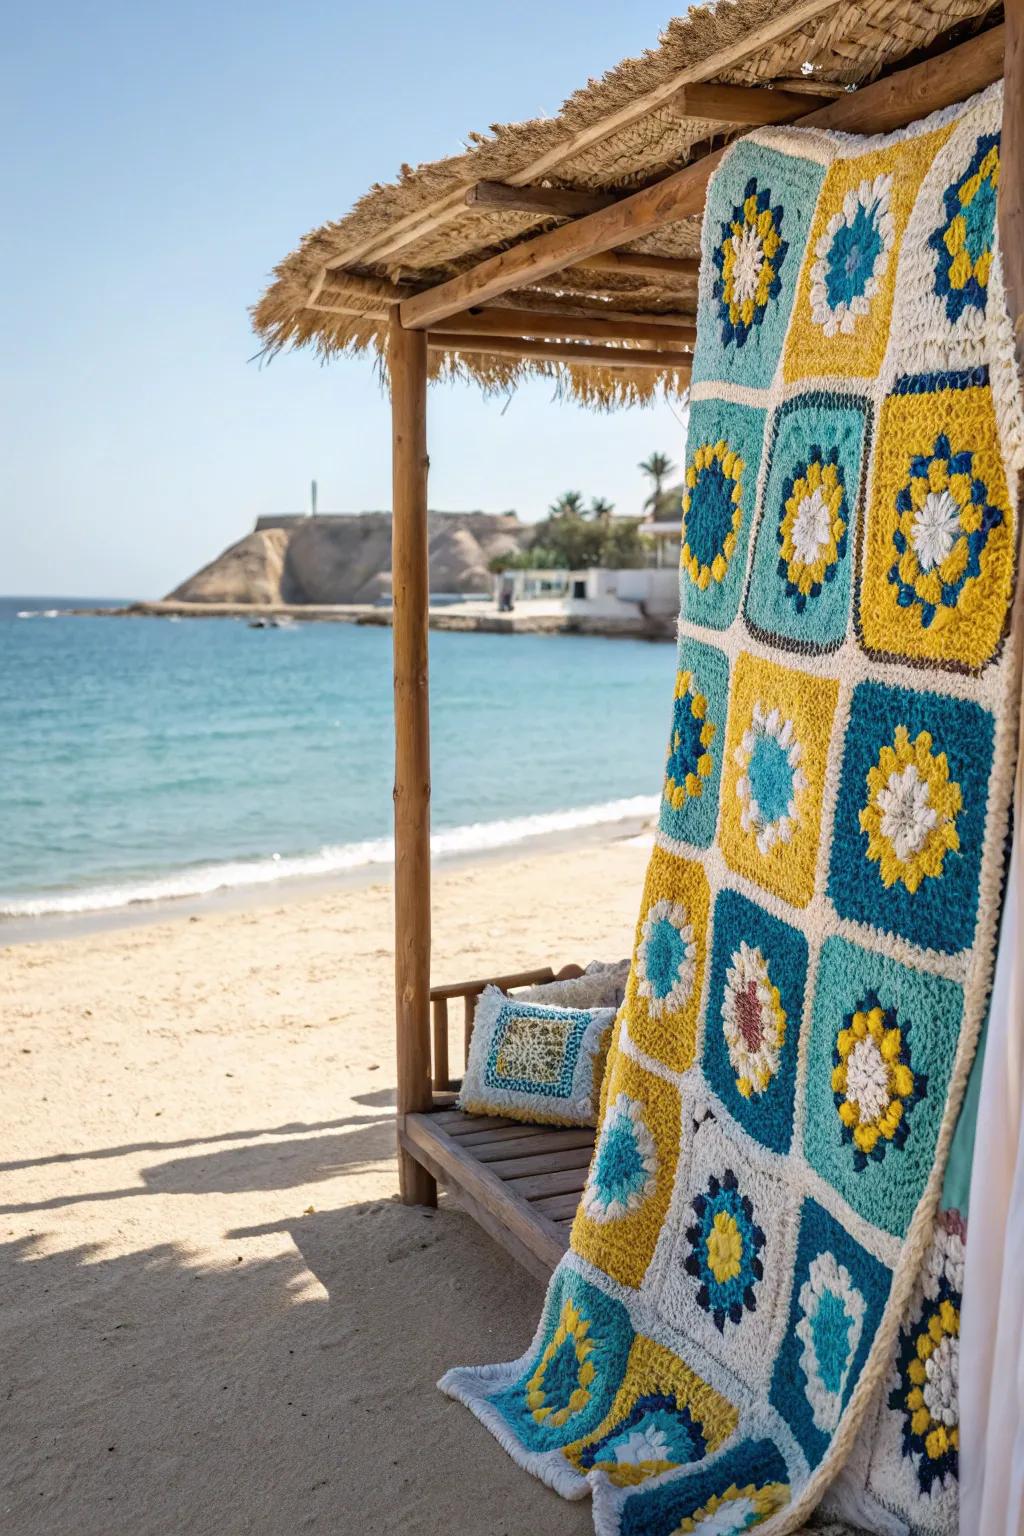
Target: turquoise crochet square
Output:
[(910, 815), (723, 456), (836, 1304), (883, 1040), (582, 1330), (693, 769), (798, 595), (759, 211), (752, 1023), (747, 1482)]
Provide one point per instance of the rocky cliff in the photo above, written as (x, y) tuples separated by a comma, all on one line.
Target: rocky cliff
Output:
[(347, 559)]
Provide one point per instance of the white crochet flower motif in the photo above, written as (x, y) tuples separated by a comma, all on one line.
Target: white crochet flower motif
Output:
[(852, 257), (812, 528), (935, 529), (907, 812), (770, 779), (829, 1331), (753, 1022), (748, 259), (666, 958)]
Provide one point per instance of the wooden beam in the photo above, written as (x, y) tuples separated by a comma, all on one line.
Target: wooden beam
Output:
[(531, 322), (1011, 177), (880, 107), (559, 351), (681, 269), (752, 106), (556, 201), (407, 362), (421, 222)]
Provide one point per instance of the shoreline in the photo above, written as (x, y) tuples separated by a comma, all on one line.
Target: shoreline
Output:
[(50, 927), (453, 618)]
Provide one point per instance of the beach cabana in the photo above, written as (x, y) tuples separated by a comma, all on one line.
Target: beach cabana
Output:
[(568, 247)]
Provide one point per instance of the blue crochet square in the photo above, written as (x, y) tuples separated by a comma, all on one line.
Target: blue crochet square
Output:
[(836, 1304), (910, 815), (723, 455), (798, 595), (752, 1023), (693, 769), (582, 1330), (883, 1041), (749, 1480), (760, 206), (528, 1036)]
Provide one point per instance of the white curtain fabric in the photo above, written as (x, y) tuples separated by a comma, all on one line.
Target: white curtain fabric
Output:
[(992, 1317)]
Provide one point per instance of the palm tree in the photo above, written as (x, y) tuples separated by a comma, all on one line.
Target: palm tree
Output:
[(601, 509), (657, 467), (569, 504)]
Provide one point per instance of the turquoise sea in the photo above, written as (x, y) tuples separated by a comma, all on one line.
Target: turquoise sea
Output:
[(142, 759)]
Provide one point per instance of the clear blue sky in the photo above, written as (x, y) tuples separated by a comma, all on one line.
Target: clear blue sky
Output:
[(160, 159)]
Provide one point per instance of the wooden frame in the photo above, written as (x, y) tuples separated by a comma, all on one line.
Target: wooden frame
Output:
[(522, 1183)]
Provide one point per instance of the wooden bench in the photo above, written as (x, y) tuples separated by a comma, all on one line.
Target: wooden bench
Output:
[(522, 1183)]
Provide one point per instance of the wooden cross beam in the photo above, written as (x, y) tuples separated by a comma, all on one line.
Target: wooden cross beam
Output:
[(586, 327), (886, 104), (752, 106), (558, 201), (560, 351)]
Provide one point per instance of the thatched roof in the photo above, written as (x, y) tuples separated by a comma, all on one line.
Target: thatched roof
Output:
[(619, 132)]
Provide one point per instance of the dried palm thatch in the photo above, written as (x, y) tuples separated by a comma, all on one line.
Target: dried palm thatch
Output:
[(618, 133)]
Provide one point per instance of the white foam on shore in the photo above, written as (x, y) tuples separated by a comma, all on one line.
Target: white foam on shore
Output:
[(204, 879)]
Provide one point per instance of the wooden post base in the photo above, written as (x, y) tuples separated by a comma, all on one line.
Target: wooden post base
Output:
[(415, 1185)]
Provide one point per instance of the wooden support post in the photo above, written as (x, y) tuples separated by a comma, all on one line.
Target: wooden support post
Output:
[(1011, 177), (442, 1072), (410, 579)]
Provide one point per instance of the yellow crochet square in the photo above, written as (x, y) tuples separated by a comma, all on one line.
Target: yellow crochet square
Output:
[(780, 721), (629, 1184), (663, 992), (938, 561), (663, 1416), (844, 300)]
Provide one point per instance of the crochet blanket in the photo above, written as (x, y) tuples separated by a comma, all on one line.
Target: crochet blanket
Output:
[(758, 1291)]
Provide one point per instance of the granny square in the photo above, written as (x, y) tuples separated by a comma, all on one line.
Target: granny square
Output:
[(943, 312), (910, 815), (664, 987), (814, 946), (742, 1487), (693, 769), (938, 558), (845, 298), (535, 1062), (723, 456), (798, 594), (838, 1295), (663, 1417), (629, 1185), (883, 1039), (780, 722), (759, 207), (567, 1381), (753, 1017), (726, 1274)]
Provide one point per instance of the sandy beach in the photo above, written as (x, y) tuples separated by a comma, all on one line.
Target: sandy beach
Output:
[(216, 1317)]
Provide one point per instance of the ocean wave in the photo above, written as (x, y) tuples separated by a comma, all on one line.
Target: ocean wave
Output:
[(205, 879)]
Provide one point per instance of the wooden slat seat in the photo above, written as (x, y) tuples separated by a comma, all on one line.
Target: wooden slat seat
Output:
[(522, 1183)]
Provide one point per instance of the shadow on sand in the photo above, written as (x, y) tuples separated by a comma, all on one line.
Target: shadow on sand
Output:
[(146, 1395)]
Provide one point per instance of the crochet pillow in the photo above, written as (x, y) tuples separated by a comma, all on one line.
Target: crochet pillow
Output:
[(601, 986), (534, 1062)]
